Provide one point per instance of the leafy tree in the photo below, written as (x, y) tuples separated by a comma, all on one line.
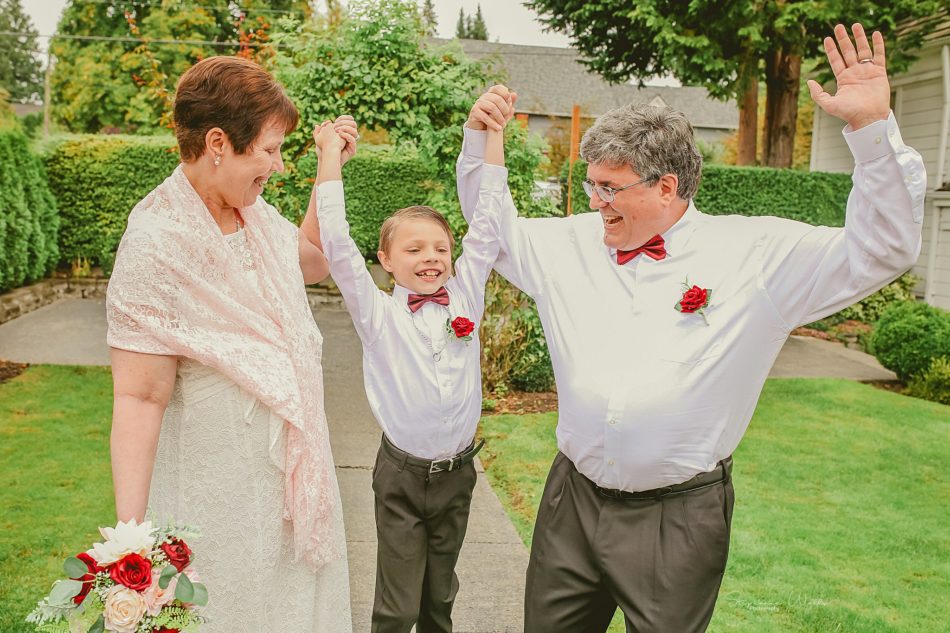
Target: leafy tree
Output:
[(727, 47), (378, 66), (127, 84), (21, 73)]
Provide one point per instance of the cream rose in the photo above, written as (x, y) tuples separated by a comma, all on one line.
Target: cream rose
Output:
[(124, 609)]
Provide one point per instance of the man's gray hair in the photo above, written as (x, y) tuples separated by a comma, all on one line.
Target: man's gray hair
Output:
[(653, 140)]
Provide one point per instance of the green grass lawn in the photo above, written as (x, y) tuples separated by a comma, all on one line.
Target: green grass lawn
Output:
[(842, 519), (55, 482)]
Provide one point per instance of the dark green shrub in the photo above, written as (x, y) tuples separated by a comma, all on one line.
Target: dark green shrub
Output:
[(812, 197), (909, 336), (97, 180), (28, 220), (933, 383)]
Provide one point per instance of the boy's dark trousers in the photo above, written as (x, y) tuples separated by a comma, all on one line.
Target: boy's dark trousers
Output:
[(421, 517)]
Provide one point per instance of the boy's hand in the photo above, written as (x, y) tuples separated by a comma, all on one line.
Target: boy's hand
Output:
[(345, 126), (493, 109), (326, 139)]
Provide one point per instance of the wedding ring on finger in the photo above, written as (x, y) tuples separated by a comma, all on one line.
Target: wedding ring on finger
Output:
[(869, 60)]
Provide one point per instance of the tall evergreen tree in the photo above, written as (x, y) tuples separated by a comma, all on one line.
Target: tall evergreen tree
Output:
[(461, 26), (477, 29), (21, 72), (429, 19)]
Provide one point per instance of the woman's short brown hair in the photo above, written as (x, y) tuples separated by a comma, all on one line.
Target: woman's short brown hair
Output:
[(388, 229), (231, 93)]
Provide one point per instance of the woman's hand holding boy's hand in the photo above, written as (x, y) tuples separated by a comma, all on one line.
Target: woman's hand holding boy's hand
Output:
[(326, 139), (345, 126)]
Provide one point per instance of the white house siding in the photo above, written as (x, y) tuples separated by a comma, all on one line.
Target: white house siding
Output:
[(917, 98)]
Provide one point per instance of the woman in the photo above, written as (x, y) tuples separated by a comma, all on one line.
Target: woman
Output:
[(218, 416)]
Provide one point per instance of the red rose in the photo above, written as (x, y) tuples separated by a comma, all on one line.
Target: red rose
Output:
[(164, 630), (693, 299), (87, 579), (462, 327), (133, 571), (178, 553)]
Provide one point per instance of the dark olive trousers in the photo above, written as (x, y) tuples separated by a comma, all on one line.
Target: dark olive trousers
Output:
[(660, 559), (421, 520)]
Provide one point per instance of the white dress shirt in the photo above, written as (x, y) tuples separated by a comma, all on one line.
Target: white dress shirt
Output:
[(650, 397), (429, 408)]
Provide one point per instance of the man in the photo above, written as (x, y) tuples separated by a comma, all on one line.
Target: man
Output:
[(663, 324)]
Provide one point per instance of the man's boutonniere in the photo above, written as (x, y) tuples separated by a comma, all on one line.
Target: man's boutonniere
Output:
[(694, 299), (461, 328)]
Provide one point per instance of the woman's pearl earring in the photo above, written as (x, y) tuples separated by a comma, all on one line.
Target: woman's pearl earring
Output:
[(217, 160)]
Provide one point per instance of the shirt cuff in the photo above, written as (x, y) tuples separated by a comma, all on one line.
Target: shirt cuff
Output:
[(330, 197), (875, 140), (474, 142), (494, 179)]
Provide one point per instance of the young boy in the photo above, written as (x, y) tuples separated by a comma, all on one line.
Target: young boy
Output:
[(423, 381)]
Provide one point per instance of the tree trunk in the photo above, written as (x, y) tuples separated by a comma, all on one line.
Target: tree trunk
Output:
[(782, 82), (748, 120)]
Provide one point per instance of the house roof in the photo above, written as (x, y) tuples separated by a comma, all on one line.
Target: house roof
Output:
[(550, 80), (939, 22)]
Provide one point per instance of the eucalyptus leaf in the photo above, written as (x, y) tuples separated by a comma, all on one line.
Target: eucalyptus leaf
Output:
[(166, 576), (75, 568), (64, 591), (184, 590), (98, 626), (201, 594)]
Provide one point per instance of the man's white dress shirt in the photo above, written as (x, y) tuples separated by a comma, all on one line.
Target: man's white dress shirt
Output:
[(650, 397), (429, 408)]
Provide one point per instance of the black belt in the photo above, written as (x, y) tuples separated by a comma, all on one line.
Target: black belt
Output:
[(719, 474), (432, 466)]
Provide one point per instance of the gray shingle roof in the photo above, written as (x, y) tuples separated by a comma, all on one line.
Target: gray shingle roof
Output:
[(550, 80)]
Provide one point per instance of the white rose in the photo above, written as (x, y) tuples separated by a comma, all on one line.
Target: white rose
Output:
[(124, 609)]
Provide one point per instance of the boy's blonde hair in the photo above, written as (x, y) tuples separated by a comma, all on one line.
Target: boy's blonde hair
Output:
[(418, 212)]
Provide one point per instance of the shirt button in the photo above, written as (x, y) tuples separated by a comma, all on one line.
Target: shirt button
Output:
[(613, 420), (610, 462), (877, 140)]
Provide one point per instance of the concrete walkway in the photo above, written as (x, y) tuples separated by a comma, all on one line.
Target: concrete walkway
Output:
[(494, 559)]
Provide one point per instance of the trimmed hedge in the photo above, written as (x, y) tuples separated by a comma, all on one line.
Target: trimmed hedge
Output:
[(29, 222), (812, 197), (98, 179)]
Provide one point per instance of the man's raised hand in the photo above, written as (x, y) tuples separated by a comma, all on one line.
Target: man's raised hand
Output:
[(863, 95), (493, 109)]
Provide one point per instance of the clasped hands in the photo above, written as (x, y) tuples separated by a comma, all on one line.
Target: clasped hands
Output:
[(339, 135)]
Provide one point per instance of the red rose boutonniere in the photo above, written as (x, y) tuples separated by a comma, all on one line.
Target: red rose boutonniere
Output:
[(694, 299), (461, 328)]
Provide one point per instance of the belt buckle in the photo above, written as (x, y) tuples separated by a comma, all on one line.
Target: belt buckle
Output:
[(436, 466)]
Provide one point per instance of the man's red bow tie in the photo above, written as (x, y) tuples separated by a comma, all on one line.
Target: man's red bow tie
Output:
[(654, 248)]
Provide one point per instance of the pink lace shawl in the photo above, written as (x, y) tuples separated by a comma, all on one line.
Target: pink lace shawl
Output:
[(179, 289)]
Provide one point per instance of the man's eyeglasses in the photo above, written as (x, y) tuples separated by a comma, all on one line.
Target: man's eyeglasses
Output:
[(606, 193)]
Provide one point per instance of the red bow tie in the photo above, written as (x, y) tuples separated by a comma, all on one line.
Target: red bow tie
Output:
[(654, 249), (440, 296)]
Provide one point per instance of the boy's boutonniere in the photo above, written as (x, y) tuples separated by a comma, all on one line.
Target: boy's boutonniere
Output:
[(461, 328), (694, 299)]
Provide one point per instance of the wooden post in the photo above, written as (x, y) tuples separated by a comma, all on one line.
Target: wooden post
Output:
[(572, 156)]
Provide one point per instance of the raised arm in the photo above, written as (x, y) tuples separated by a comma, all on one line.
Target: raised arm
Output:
[(313, 262), (363, 299), (824, 270), (142, 388), (517, 259)]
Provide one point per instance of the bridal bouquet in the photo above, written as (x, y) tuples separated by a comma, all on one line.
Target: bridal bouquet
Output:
[(138, 581)]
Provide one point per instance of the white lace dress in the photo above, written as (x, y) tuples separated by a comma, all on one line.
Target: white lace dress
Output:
[(213, 471)]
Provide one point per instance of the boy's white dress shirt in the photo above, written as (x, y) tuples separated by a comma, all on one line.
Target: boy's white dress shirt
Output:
[(649, 396), (428, 408)]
